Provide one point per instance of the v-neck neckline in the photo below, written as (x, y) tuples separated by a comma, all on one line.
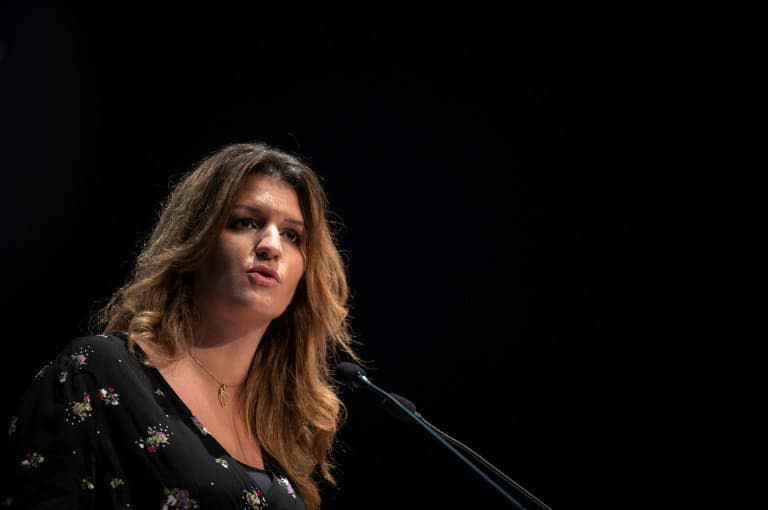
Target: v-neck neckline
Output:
[(192, 421)]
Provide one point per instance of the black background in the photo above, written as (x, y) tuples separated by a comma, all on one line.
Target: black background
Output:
[(495, 179)]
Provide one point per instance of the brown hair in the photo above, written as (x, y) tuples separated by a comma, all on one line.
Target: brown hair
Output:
[(291, 402)]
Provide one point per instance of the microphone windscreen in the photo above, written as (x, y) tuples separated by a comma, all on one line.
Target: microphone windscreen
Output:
[(395, 411), (346, 372)]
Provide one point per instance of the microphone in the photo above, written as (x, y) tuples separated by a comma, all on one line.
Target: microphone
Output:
[(402, 417), (354, 376), (348, 373), (395, 411)]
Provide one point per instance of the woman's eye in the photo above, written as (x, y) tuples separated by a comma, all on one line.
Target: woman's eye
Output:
[(292, 236), (246, 223)]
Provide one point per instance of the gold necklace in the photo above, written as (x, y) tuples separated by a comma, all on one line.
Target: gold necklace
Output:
[(222, 387)]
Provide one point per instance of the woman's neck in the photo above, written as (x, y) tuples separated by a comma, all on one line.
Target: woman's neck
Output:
[(226, 349)]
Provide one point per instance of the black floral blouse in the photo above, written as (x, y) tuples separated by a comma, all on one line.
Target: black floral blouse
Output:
[(100, 428)]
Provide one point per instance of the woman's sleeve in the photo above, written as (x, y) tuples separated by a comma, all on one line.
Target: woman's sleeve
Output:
[(51, 443)]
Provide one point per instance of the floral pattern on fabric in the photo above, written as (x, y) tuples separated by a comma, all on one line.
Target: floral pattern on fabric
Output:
[(80, 357), (200, 426), (254, 500), (178, 498), (32, 460), (77, 412), (109, 396), (157, 437), (285, 484), (74, 413)]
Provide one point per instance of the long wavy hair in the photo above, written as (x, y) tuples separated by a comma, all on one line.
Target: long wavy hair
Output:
[(291, 405)]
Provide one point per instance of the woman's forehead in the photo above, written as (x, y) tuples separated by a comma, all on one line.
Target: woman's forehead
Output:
[(268, 195)]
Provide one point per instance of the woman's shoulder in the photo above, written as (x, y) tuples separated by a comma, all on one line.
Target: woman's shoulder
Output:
[(108, 344), (97, 351), (83, 369)]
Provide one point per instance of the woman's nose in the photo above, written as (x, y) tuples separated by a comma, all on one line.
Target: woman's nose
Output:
[(268, 246)]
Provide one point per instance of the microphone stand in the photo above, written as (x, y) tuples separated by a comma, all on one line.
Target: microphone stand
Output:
[(487, 464), (407, 412)]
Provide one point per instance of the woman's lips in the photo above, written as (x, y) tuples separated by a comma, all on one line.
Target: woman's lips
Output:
[(262, 279), (262, 274)]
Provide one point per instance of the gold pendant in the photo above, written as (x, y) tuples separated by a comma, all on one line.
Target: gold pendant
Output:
[(222, 395)]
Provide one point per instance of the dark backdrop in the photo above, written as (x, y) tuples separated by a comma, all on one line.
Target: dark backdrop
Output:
[(494, 181)]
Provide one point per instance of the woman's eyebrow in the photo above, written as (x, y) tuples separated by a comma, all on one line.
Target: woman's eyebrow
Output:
[(259, 210)]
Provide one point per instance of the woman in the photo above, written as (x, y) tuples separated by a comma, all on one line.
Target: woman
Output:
[(210, 385)]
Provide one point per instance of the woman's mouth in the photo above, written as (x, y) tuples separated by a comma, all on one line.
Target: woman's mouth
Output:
[(261, 279), (263, 275)]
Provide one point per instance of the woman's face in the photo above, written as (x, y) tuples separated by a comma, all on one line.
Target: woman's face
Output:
[(257, 260)]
